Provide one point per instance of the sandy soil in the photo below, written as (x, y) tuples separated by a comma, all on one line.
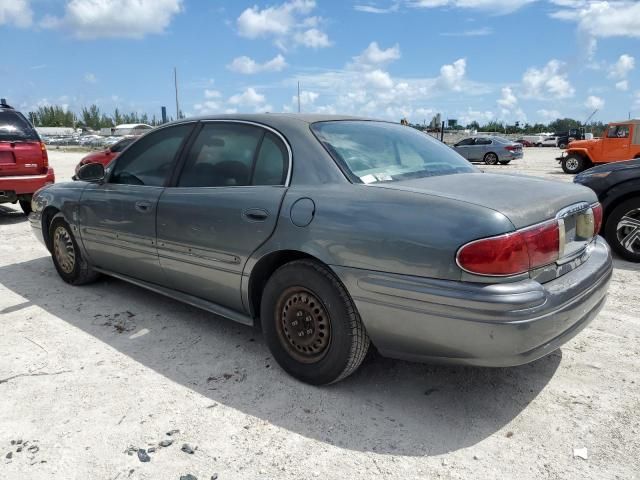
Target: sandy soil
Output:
[(86, 373)]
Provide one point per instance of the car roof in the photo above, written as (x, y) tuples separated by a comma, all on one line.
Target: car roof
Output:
[(627, 122), (266, 118)]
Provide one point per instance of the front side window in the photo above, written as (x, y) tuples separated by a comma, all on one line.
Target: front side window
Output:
[(121, 145), (150, 160), (373, 152), (618, 131)]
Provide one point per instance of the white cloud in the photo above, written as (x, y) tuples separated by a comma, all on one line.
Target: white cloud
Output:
[(287, 22), (550, 82), (471, 115), (495, 6), (452, 76), (378, 79), (594, 103), (373, 55), (601, 19), (212, 93), (622, 85), (248, 98), (312, 38), (207, 107), (478, 32), (17, 13), (373, 9), (90, 78), (115, 18), (306, 98), (622, 67), (508, 99), (249, 66), (548, 115)]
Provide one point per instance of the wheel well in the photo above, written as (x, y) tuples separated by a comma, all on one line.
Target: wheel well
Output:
[(618, 201), (47, 216), (263, 270)]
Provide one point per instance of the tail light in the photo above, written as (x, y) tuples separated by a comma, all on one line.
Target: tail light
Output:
[(513, 148), (597, 218), (512, 253), (45, 156)]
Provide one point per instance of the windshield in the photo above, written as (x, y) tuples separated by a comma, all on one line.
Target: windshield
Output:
[(373, 152)]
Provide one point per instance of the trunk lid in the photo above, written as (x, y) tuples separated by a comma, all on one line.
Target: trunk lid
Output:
[(523, 200)]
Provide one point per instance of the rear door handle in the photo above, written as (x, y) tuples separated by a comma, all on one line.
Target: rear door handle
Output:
[(255, 214), (143, 207)]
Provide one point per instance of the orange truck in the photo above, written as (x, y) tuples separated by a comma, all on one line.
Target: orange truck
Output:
[(620, 142)]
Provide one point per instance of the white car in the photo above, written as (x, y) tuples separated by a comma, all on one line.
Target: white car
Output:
[(549, 141)]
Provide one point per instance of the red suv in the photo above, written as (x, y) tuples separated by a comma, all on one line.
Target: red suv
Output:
[(24, 164)]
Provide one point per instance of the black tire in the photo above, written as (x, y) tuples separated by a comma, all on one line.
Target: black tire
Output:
[(574, 164), (25, 205), (491, 158), (562, 146), (505, 162), (336, 339), (614, 232), (66, 255)]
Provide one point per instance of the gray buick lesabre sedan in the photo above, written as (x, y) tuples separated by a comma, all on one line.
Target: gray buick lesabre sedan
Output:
[(334, 233)]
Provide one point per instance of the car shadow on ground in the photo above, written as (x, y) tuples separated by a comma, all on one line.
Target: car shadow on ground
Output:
[(387, 406), (9, 216)]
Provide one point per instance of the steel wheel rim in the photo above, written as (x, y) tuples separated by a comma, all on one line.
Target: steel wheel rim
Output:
[(64, 250), (572, 164), (303, 325), (492, 159), (628, 231)]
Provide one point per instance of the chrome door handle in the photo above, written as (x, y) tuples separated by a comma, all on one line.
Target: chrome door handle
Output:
[(143, 207)]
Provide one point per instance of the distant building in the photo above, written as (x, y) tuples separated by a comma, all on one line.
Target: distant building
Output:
[(126, 129), (55, 131)]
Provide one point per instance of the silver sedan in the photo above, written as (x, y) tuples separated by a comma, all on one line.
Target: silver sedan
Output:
[(489, 149)]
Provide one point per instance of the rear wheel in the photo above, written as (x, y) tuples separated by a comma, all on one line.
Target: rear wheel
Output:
[(491, 158), (311, 325), (67, 258), (622, 229), (25, 205), (573, 163)]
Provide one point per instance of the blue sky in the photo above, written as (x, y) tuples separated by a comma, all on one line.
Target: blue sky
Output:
[(506, 60)]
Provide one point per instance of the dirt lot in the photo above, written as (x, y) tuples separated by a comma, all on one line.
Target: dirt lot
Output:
[(86, 373)]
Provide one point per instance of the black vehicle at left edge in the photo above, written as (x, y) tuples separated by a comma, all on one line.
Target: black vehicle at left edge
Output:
[(618, 188)]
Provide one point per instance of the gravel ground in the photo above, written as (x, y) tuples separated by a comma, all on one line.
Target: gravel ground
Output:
[(90, 374)]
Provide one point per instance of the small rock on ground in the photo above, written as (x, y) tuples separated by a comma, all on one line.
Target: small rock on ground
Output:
[(142, 455), (186, 448)]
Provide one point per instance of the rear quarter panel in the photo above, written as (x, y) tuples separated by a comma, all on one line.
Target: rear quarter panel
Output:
[(382, 229)]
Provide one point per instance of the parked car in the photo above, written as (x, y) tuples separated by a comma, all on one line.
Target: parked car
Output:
[(535, 140), (618, 188), (24, 162), (105, 156), (621, 142), (333, 233), (524, 143), (550, 141), (490, 150)]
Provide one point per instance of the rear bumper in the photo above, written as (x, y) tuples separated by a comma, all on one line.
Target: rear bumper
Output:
[(11, 187), (495, 325)]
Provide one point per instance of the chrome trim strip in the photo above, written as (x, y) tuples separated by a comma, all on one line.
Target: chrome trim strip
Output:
[(266, 127)]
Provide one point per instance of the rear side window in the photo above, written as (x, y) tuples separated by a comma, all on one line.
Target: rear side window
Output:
[(150, 160), (271, 163), (14, 127), (483, 141), (234, 155)]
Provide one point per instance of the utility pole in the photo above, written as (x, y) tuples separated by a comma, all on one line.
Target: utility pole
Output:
[(175, 82), (298, 97)]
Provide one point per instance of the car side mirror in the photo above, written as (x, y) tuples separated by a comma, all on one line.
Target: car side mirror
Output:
[(91, 172)]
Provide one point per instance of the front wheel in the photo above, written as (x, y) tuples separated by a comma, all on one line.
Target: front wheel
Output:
[(622, 229), (491, 158), (66, 255), (573, 164), (311, 325)]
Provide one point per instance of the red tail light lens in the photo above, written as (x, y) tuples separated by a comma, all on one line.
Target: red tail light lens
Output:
[(513, 253), (511, 148), (45, 156), (597, 218)]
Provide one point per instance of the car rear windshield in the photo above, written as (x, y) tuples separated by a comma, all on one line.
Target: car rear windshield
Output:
[(14, 127), (373, 152)]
